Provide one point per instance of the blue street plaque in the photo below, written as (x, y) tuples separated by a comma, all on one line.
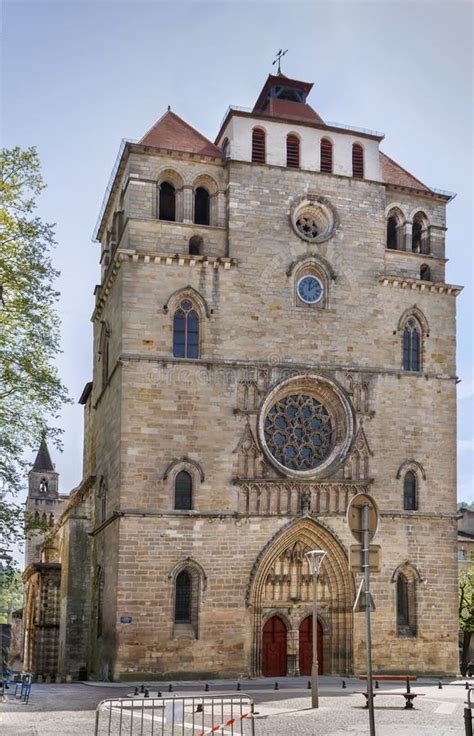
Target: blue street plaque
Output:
[(125, 619)]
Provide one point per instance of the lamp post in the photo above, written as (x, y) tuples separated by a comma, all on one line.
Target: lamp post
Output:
[(315, 557)]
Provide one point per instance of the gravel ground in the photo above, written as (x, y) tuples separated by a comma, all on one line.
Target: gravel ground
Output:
[(63, 710)]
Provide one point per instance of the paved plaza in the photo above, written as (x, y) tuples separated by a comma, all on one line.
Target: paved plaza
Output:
[(63, 710)]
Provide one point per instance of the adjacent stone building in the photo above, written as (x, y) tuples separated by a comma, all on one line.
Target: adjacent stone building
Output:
[(273, 334)]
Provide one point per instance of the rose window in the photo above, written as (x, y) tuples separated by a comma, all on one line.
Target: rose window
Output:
[(298, 432), (307, 226)]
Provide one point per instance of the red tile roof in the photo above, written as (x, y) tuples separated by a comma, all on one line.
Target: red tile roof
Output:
[(288, 109), (393, 173), (277, 79), (174, 133)]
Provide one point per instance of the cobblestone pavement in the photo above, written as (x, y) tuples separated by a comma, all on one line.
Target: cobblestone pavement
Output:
[(64, 710)]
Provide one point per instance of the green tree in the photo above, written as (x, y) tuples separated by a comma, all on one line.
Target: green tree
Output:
[(31, 392), (466, 614), (11, 592)]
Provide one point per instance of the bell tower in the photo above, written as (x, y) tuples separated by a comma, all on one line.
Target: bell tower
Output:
[(43, 501)]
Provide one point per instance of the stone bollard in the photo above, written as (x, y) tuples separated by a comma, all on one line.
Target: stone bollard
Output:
[(206, 689), (344, 685), (239, 686), (440, 687), (308, 686), (276, 686)]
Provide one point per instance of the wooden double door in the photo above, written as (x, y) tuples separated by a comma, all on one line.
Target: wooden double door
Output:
[(274, 647), (306, 646)]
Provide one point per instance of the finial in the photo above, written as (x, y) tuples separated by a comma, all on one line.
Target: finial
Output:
[(278, 59), (169, 108)]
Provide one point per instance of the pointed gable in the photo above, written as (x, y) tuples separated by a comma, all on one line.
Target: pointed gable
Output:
[(175, 134), (393, 173), (43, 459)]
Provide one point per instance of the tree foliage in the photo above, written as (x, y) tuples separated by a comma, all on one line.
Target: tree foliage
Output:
[(466, 613), (31, 392)]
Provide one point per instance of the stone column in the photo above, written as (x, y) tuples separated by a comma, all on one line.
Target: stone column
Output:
[(407, 232), (187, 206)]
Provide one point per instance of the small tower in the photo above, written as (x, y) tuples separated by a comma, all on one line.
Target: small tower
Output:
[(43, 499)]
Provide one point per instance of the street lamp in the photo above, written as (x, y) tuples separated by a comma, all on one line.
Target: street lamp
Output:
[(315, 557)]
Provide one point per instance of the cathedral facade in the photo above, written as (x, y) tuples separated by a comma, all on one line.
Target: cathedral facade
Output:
[(273, 334)]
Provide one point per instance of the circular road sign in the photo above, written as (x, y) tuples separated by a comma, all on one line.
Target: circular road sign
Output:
[(355, 514)]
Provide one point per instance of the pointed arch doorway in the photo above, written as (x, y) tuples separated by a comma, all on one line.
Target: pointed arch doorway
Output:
[(274, 645), (281, 581), (306, 646)]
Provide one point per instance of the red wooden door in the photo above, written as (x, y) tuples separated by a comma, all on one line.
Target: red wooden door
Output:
[(306, 646), (274, 648)]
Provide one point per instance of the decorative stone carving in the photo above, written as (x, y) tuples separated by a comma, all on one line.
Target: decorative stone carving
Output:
[(357, 466), (313, 218), (333, 442), (250, 463), (269, 497)]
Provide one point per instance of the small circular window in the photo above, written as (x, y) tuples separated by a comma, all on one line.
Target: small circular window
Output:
[(313, 218), (310, 289), (298, 432)]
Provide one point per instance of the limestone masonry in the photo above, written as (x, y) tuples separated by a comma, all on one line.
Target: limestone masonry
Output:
[(273, 334)]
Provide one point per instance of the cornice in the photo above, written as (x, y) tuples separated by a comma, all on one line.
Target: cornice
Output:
[(123, 255), (401, 282)]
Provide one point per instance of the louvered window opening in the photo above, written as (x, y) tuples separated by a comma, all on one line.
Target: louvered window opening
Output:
[(183, 490), (326, 156), (357, 161), (182, 611), (293, 152), (258, 146)]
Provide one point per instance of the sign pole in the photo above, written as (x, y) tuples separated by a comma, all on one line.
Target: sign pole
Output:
[(370, 689)]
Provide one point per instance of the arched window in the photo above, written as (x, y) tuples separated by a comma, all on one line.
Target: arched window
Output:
[(416, 236), (412, 346), (201, 206), (102, 500), (409, 491), (392, 233), (186, 331), (326, 156), (167, 203), (406, 605), (357, 161), (258, 146), (293, 151), (195, 245), (425, 272), (100, 600), (183, 491), (182, 605), (104, 352)]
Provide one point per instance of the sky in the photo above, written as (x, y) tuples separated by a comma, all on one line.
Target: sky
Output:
[(77, 77)]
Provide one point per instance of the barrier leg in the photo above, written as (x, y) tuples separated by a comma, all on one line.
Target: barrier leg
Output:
[(468, 721)]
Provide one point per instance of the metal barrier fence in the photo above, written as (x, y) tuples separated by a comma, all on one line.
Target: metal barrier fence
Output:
[(468, 713), (192, 715)]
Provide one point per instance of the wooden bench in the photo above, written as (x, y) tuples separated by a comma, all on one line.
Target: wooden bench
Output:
[(408, 695)]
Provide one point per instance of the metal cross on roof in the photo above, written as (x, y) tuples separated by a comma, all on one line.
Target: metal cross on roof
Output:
[(278, 59)]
